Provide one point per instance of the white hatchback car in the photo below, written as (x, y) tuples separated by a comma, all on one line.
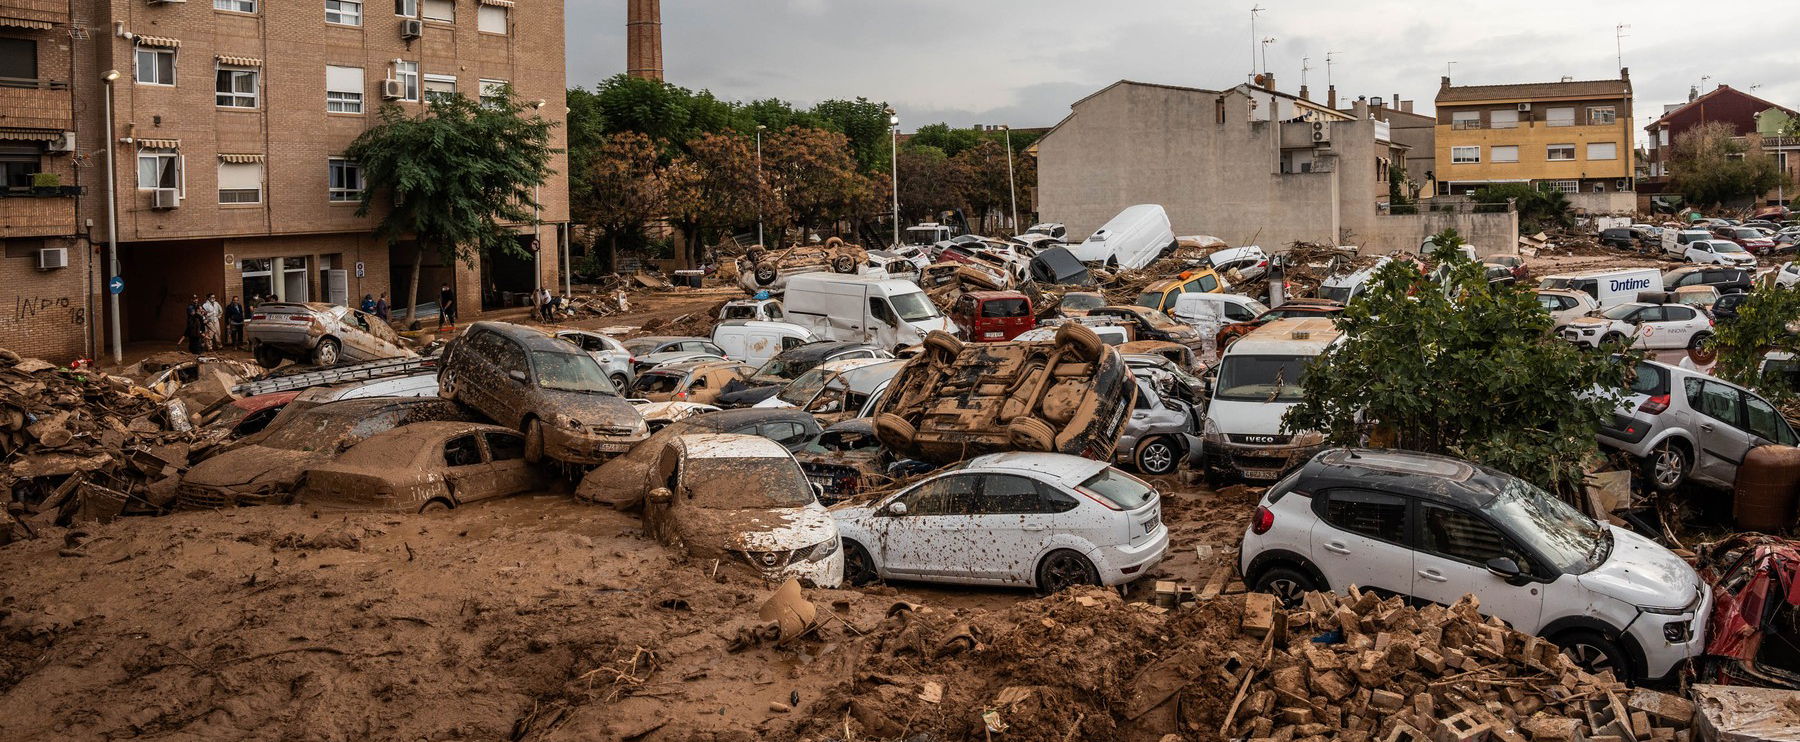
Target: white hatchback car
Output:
[(1788, 276), (1434, 528), (1643, 325), (1044, 520), (1719, 252)]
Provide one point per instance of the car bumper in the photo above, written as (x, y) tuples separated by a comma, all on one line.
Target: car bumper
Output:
[(1118, 565), (287, 338), (200, 497), (1580, 337), (1256, 463), (577, 447), (1670, 641), (1625, 432)]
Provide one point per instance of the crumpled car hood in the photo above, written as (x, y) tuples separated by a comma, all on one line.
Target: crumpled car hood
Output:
[(253, 465), (767, 529), (592, 409), (1643, 573)]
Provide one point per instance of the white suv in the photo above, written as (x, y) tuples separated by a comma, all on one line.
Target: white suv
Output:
[(1719, 252), (1643, 325), (1434, 528)]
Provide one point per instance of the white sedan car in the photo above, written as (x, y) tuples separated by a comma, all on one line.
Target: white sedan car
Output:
[(1718, 252), (1044, 520), (1789, 275), (1641, 325)]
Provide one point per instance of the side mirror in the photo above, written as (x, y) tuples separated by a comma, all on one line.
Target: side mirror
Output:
[(518, 376), (896, 508), (818, 490), (661, 496), (1507, 569)]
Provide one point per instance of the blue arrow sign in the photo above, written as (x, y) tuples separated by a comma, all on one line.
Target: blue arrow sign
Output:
[(116, 285)]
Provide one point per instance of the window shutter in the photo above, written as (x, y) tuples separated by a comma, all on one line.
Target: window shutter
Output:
[(240, 176), (344, 79)]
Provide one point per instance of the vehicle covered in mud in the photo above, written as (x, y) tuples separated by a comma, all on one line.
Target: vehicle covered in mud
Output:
[(699, 382), (776, 372), (762, 269), (1069, 395), (551, 391), (846, 459), (624, 481), (264, 468), (777, 529), (1755, 611), (421, 468), (319, 333), (837, 389)]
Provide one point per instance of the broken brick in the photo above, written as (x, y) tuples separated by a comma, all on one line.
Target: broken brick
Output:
[(1386, 700), (1662, 706), (1259, 614), (1462, 727)]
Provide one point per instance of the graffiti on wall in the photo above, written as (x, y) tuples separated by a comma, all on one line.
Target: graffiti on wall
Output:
[(59, 309)]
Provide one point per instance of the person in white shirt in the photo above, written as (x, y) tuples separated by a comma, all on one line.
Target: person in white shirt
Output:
[(213, 312)]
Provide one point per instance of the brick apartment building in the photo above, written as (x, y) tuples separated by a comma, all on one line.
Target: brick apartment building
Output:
[(230, 118), (1575, 135), (1759, 122)]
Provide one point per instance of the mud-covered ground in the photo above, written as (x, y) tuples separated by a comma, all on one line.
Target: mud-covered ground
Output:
[(530, 618)]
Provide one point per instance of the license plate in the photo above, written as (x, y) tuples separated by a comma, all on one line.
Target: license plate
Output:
[(612, 447), (1261, 474)]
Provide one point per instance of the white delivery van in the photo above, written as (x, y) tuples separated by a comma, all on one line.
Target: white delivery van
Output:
[(1609, 287), (1209, 313), (1675, 242), (1133, 239), (884, 312), (755, 341), (1253, 386)]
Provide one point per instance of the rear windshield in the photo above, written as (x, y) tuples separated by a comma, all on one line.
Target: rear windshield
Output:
[(1122, 490), (1248, 378), (740, 312), (718, 484), (317, 431), (1005, 308), (1083, 301), (1649, 380), (658, 383), (1339, 294)]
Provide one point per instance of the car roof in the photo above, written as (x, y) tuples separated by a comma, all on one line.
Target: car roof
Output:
[(698, 364), (986, 295), (1563, 292), (849, 364), (530, 337), (1278, 336), (1422, 475), (1058, 466), (729, 446)]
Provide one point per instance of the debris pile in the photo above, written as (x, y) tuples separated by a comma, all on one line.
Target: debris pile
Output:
[(1308, 264)]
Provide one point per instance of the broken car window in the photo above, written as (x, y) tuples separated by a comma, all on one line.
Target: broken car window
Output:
[(505, 446), (718, 484), (570, 372), (1573, 543), (1463, 537), (658, 383), (802, 390), (462, 451)]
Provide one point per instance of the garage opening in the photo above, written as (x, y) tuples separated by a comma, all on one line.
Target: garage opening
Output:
[(506, 277)]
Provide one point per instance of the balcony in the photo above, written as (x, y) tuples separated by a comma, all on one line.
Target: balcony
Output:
[(57, 191), (1383, 132), (32, 83)]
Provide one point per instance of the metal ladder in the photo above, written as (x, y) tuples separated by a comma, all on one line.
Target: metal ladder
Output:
[(370, 370)]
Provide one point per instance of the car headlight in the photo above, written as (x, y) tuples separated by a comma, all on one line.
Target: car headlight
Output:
[(1308, 438), (823, 549)]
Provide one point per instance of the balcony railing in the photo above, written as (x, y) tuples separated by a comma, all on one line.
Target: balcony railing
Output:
[(32, 82), (43, 191)]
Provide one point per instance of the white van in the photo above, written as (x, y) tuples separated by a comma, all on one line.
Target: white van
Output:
[(884, 312), (1343, 287), (1675, 242), (1133, 239), (755, 341), (1209, 313), (1256, 382), (1609, 287)]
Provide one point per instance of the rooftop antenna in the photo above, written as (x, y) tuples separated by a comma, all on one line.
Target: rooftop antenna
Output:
[(1265, 53), (1303, 68), (1447, 66), (1328, 61), (1703, 79), (1619, 43), (1254, 10)]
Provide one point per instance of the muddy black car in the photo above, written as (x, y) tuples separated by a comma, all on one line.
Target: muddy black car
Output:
[(556, 395)]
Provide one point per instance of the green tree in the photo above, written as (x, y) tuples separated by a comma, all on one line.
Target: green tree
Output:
[(952, 141), (1765, 322), (456, 174), (865, 123), (1540, 207), (1711, 167), (1478, 377), (930, 182), (812, 179)]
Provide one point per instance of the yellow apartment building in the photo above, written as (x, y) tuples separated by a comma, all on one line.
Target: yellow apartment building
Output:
[(1576, 135)]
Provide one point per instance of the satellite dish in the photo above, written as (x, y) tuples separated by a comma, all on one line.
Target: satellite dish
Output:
[(1261, 81)]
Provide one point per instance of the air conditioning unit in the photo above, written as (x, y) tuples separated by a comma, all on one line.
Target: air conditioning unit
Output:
[(1320, 134), (65, 144), (412, 28), (392, 90), (51, 258), (165, 198), (1524, 107), (1622, 185)]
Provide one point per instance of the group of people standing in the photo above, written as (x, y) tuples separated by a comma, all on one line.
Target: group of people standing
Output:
[(211, 325)]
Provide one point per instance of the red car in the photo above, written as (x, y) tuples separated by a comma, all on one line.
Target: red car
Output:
[(1751, 635), (1294, 308), (1750, 239), (992, 316)]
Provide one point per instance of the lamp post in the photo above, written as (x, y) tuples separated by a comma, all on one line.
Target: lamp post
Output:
[(537, 230), (759, 185), (1012, 188), (894, 167), (112, 225)]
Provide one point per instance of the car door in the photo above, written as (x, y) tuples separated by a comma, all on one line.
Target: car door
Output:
[(1452, 549), (511, 395), (1646, 327), (1361, 538), (475, 371), (1684, 322), (1013, 529), (360, 344), (466, 470), (937, 534), (506, 455), (1718, 429)]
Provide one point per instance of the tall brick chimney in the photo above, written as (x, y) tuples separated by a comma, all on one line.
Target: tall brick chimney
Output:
[(643, 40)]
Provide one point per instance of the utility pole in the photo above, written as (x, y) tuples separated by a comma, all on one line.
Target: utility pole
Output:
[(1012, 188), (759, 186), (112, 225), (1254, 10), (894, 167)]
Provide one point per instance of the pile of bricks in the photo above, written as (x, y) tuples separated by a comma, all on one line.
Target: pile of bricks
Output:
[(1359, 668)]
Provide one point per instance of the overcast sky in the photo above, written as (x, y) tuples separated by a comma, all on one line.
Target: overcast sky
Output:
[(1022, 62)]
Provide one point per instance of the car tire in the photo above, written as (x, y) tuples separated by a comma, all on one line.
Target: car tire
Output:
[(765, 274), (268, 357), (944, 343), (1063, 569), (435, 506), (894, 430), (1157, 456), (1031, 434), (859, 567), (1082, 339), (1287, 584), (326, 352), (1701, 349), (619, 382), (1593, 652), (1667, 466), (843, 264), (534, 441)]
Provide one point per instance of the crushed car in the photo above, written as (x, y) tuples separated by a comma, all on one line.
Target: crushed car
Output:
[(422, 468), (623, 481), (699, 382), (789, 365), (762, 269), (837, 389), (1070, 395), (1754, 632), (319, 333), (846, 459)]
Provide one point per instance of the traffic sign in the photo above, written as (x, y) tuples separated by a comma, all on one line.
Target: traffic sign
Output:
[(359, 269), (116, 285)]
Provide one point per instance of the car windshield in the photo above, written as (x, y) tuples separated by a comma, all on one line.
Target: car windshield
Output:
[(1747, 234), (1122, 490), (1151, 299), (641, 346), (1726, 247), (913, 307), (321, 431), (654, 383), (1572, 542), (570, 372), (1621, 311), (718, 484), (1339, 294), (787, 367), (801, 390), (1158, 320), (1083, 301), (1262, 378)]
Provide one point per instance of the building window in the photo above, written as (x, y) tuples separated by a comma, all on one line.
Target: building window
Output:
[(346, 181), (1560, 116), (158, 168), (18, 164), (18, 59), (236, 87), (1602, 115), (440, 10), (408, 8), (491, 18), (241, 6), (1504, 153), (1465, 154), (1558, 152), (240, 182), (1599, 187), (493, 93), (1465, 119), (155, 66), (1566, 186), (1602, 151), (343, 89), (1503, 119), (343, 12), (440, 88), (408, 75)]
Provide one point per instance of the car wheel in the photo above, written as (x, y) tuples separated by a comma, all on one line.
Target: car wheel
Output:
[(894, 430), (326, 352), (1701, 349), (1666, 466), (1158, 455), (1592, 652), (1031, 434), (1288, 585), (1064, 569), (268, 357), (944, 343), (844, 264), (619, 382), (859, 568), (435, 507), (765, 274), (534, 441), (1086, 343)]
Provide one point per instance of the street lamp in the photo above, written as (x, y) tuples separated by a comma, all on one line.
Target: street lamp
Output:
[(112, 225), (1011, 185), (894, 167), (759, 185)]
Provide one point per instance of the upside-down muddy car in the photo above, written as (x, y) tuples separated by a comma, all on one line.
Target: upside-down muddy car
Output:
[(762, 269)]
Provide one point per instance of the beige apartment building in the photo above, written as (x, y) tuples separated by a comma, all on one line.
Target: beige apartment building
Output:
[(229, 123)]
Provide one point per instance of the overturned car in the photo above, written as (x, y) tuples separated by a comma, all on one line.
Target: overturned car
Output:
[(762, 269), (1070, 395)]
